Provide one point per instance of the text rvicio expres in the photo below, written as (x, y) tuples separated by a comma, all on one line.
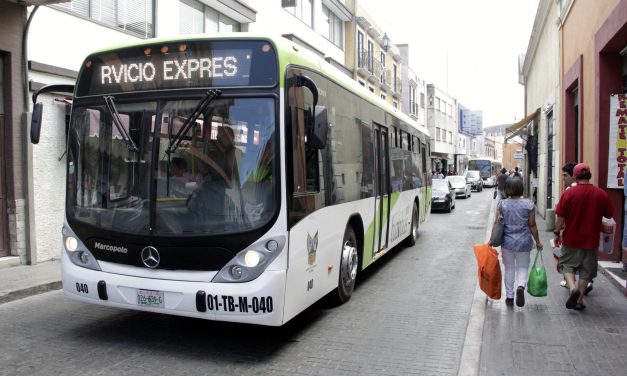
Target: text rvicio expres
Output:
[(170, 70)]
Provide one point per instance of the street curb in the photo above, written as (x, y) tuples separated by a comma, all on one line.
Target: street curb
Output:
[(471, 352), (30, 291), (613, 280)]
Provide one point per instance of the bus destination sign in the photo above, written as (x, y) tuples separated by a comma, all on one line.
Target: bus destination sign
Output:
[(192, 65)]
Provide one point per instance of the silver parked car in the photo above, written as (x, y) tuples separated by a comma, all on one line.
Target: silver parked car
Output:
[(460, 185), (474, 178)]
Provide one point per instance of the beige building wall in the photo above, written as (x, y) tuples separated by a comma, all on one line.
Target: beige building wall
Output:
[(541, 72)]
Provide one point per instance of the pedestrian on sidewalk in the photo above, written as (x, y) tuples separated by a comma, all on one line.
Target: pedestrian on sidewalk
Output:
[(519, 233), (569, 181), (579, 213), (500, 183)]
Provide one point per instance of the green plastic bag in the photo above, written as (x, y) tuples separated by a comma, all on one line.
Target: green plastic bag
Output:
[(537, 284)]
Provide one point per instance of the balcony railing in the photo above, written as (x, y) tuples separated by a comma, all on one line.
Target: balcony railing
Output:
[(397, 88), (365, 62)]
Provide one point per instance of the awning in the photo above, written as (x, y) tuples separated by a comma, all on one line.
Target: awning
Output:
[(518, 127)]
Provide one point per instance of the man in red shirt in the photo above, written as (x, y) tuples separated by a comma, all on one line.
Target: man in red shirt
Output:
[(579, 213)]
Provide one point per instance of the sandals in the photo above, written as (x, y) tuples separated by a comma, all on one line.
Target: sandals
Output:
[(571, 303)]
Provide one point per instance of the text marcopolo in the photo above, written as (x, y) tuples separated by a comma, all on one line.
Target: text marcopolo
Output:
[(170, 70), (111, 248)]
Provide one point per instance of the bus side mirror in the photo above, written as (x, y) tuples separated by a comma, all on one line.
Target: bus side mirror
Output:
[(317, 128), (35, 122)]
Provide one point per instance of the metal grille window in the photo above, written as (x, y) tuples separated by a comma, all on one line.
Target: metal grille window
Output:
[(134, 16), (335, 30)]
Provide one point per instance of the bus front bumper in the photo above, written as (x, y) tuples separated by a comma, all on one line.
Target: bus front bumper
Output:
[(256, 302)]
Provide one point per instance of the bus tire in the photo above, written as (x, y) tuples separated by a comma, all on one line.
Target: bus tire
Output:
[(413, 231), (349, 263)]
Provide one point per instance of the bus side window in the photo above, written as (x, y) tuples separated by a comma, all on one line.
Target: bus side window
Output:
[(305, 159)]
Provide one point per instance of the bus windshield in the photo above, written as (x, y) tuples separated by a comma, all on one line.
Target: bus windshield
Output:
[(484, 166), (220, 179)]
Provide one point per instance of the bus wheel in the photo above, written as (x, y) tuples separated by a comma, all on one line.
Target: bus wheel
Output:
[(348, 268), (413, 233)]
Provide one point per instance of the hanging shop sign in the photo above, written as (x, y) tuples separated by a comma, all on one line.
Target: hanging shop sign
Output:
[(617, 158)]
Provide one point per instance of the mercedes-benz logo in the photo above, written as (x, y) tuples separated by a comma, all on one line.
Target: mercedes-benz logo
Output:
[(150, 257)]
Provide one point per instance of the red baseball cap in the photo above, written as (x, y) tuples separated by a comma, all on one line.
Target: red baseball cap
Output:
[(581, 169)]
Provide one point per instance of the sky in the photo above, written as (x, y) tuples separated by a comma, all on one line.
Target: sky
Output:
[(468, 48)]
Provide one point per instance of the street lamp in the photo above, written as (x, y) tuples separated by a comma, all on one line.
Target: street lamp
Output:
[(386, 42)]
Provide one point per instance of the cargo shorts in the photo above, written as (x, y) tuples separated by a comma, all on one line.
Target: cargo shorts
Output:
[(584, 261)]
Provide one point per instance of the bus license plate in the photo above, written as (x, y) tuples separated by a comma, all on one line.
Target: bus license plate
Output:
[(150, 298)]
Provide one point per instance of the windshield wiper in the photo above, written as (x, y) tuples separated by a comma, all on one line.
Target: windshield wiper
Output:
[(202, 105), (115, 115)]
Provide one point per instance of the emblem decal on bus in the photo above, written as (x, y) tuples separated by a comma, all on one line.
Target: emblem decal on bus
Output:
[(150, 257), (312, 247)]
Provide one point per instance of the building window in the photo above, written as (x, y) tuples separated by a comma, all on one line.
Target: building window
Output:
[(191, 17), (303, 11), (394, 74), (422, 100), (450, 137), (450, 110), (194, 17), (335, 30), (395, 104), (362, 83), (437, 134), (383, 97), (382, 67), (360, 49), (370, 56), (133, 16), (437, 103), (413, 105), (371, 88)]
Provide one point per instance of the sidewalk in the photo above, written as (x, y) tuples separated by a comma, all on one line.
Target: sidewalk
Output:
[(545, 338), (20, 281)]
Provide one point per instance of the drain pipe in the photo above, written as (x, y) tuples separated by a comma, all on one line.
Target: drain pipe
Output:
[(29, 209)]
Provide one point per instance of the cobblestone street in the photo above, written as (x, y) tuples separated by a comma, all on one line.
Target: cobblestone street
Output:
[(408, 316)]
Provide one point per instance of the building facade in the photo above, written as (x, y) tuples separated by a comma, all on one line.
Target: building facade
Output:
[(372, 57), (442, 120), (13, 190), (414, 90), (593, 69), (540, 76)]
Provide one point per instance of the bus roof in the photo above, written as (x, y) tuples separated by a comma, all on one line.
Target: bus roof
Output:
[(289, 53)]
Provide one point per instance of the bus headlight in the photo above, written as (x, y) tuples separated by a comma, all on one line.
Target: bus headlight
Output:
[(251, 262), (71, 243), (77, 252), (252, 258)]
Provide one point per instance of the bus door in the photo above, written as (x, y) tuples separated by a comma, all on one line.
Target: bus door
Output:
[(382, 191)]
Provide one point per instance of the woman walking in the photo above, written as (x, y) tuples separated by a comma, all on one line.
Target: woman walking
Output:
[(519, 233)]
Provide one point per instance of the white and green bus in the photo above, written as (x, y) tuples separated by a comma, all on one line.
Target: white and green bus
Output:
[(235, 178), (489, 169)]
